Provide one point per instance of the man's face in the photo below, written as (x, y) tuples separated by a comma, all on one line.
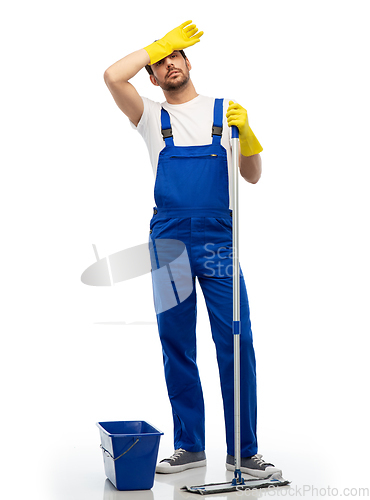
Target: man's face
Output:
[(172, 72)]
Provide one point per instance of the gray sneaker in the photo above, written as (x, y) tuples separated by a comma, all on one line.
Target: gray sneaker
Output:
[(254, 466), (181, 460)]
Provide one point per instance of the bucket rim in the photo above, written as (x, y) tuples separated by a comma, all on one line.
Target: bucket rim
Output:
[(132, 434)]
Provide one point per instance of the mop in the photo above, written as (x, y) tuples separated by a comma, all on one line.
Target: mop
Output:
[(238, 483)]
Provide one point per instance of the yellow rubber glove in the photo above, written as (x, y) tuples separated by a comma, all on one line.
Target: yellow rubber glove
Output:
[(178, 39), (238, 116)]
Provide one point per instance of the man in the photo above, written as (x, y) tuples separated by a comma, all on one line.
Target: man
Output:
[(189, 147)]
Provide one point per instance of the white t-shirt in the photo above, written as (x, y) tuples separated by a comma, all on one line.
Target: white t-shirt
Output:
[(191, 124)]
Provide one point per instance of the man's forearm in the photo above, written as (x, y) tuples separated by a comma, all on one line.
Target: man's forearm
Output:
[(127, 67), (124, 93), (251, 168)]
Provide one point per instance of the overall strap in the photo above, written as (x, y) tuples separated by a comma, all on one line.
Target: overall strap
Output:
[(217, 121), (166, 128)]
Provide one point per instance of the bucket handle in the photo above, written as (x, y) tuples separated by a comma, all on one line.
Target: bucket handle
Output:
[(124, 453)]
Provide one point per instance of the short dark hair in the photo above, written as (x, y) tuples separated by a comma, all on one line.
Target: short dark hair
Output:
[(149, 68)]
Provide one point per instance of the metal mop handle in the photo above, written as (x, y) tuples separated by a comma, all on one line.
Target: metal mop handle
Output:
[(236, 303)]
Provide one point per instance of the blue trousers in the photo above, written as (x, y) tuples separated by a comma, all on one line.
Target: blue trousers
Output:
[(208, 242)]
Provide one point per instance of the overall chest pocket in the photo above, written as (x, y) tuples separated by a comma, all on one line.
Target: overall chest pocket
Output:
[(199, 180)]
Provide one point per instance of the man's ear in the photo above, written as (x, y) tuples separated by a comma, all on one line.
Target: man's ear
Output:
[(153, 80), (188, 64)]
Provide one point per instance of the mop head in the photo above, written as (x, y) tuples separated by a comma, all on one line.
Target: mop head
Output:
[(249, 484)]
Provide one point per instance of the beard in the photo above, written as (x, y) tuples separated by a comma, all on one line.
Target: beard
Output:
[(180, 81)]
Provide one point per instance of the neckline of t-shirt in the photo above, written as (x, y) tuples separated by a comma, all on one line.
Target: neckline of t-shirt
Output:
[(183, 104)]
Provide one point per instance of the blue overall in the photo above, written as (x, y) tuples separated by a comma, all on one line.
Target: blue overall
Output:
[(192, 205)]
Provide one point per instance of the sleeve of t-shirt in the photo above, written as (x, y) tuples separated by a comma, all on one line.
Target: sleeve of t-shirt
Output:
[(149, 128), (151, 109)]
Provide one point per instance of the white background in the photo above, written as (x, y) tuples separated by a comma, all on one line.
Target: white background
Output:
[(73, 173)]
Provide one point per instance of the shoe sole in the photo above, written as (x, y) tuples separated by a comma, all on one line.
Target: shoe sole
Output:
[(253, 472), (169, 469)]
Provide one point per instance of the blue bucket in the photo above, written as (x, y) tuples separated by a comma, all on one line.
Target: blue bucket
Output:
[(130, 451)]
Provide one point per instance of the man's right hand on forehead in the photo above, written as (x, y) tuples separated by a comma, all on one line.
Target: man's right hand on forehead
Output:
[(178, 39)]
